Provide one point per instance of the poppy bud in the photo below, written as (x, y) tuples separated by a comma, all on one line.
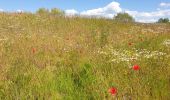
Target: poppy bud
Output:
[(136, 67), (33, 50), (113, 91)]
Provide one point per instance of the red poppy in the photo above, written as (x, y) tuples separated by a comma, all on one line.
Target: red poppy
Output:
[(129, 44), (33, 50), (136, 67), (113, 90)]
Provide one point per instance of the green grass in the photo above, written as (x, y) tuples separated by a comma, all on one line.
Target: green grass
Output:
[(69, 64)]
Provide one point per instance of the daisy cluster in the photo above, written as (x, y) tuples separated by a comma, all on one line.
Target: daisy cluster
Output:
[(124, 55), (167, 43)]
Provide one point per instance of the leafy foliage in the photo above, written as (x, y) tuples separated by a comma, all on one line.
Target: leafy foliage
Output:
[(56, 11), (42, 11), (124, 17), (163, 20)]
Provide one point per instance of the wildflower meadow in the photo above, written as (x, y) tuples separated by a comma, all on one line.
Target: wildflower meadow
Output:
[(75, 58)]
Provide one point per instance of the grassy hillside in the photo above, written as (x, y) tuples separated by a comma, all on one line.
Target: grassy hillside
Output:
[(48, 58)]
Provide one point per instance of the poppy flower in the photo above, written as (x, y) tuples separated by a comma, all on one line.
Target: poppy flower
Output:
[(33, 50), (113, 91), (129, 43), (136, 67)]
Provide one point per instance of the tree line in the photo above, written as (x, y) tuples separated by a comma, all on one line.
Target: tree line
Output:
[(53, 11), (122, 17)]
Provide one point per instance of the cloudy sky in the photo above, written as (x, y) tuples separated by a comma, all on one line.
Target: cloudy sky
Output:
[(141, 10)]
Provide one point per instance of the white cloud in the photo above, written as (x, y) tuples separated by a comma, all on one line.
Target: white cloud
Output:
[(159, 13), (152, 20), (20, 11), (149, 16), (114, 7), (1, 10), (163, 4), (71, 12), (108, 11)]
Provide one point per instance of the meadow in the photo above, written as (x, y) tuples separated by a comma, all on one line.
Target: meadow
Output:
[(61, 58)]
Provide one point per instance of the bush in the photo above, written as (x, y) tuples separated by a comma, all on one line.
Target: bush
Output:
[(56, 11), (124, 17), (42, 11), (163, 20)]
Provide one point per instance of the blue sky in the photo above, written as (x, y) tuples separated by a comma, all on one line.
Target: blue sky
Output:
[(80, 5), (138, 8)]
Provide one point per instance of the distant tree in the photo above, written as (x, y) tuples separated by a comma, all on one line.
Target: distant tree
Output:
[(56, 11), (124, 17), (163, 20), (42, 11)]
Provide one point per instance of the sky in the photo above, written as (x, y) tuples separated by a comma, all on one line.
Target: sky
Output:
[(141, 10)]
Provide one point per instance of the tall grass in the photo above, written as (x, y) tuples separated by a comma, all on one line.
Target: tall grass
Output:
[(47, 57)]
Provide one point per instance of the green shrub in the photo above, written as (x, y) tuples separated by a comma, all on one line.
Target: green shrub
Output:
[(124, 17)]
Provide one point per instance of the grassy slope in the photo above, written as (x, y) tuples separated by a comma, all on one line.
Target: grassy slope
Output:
[(65, 63)]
